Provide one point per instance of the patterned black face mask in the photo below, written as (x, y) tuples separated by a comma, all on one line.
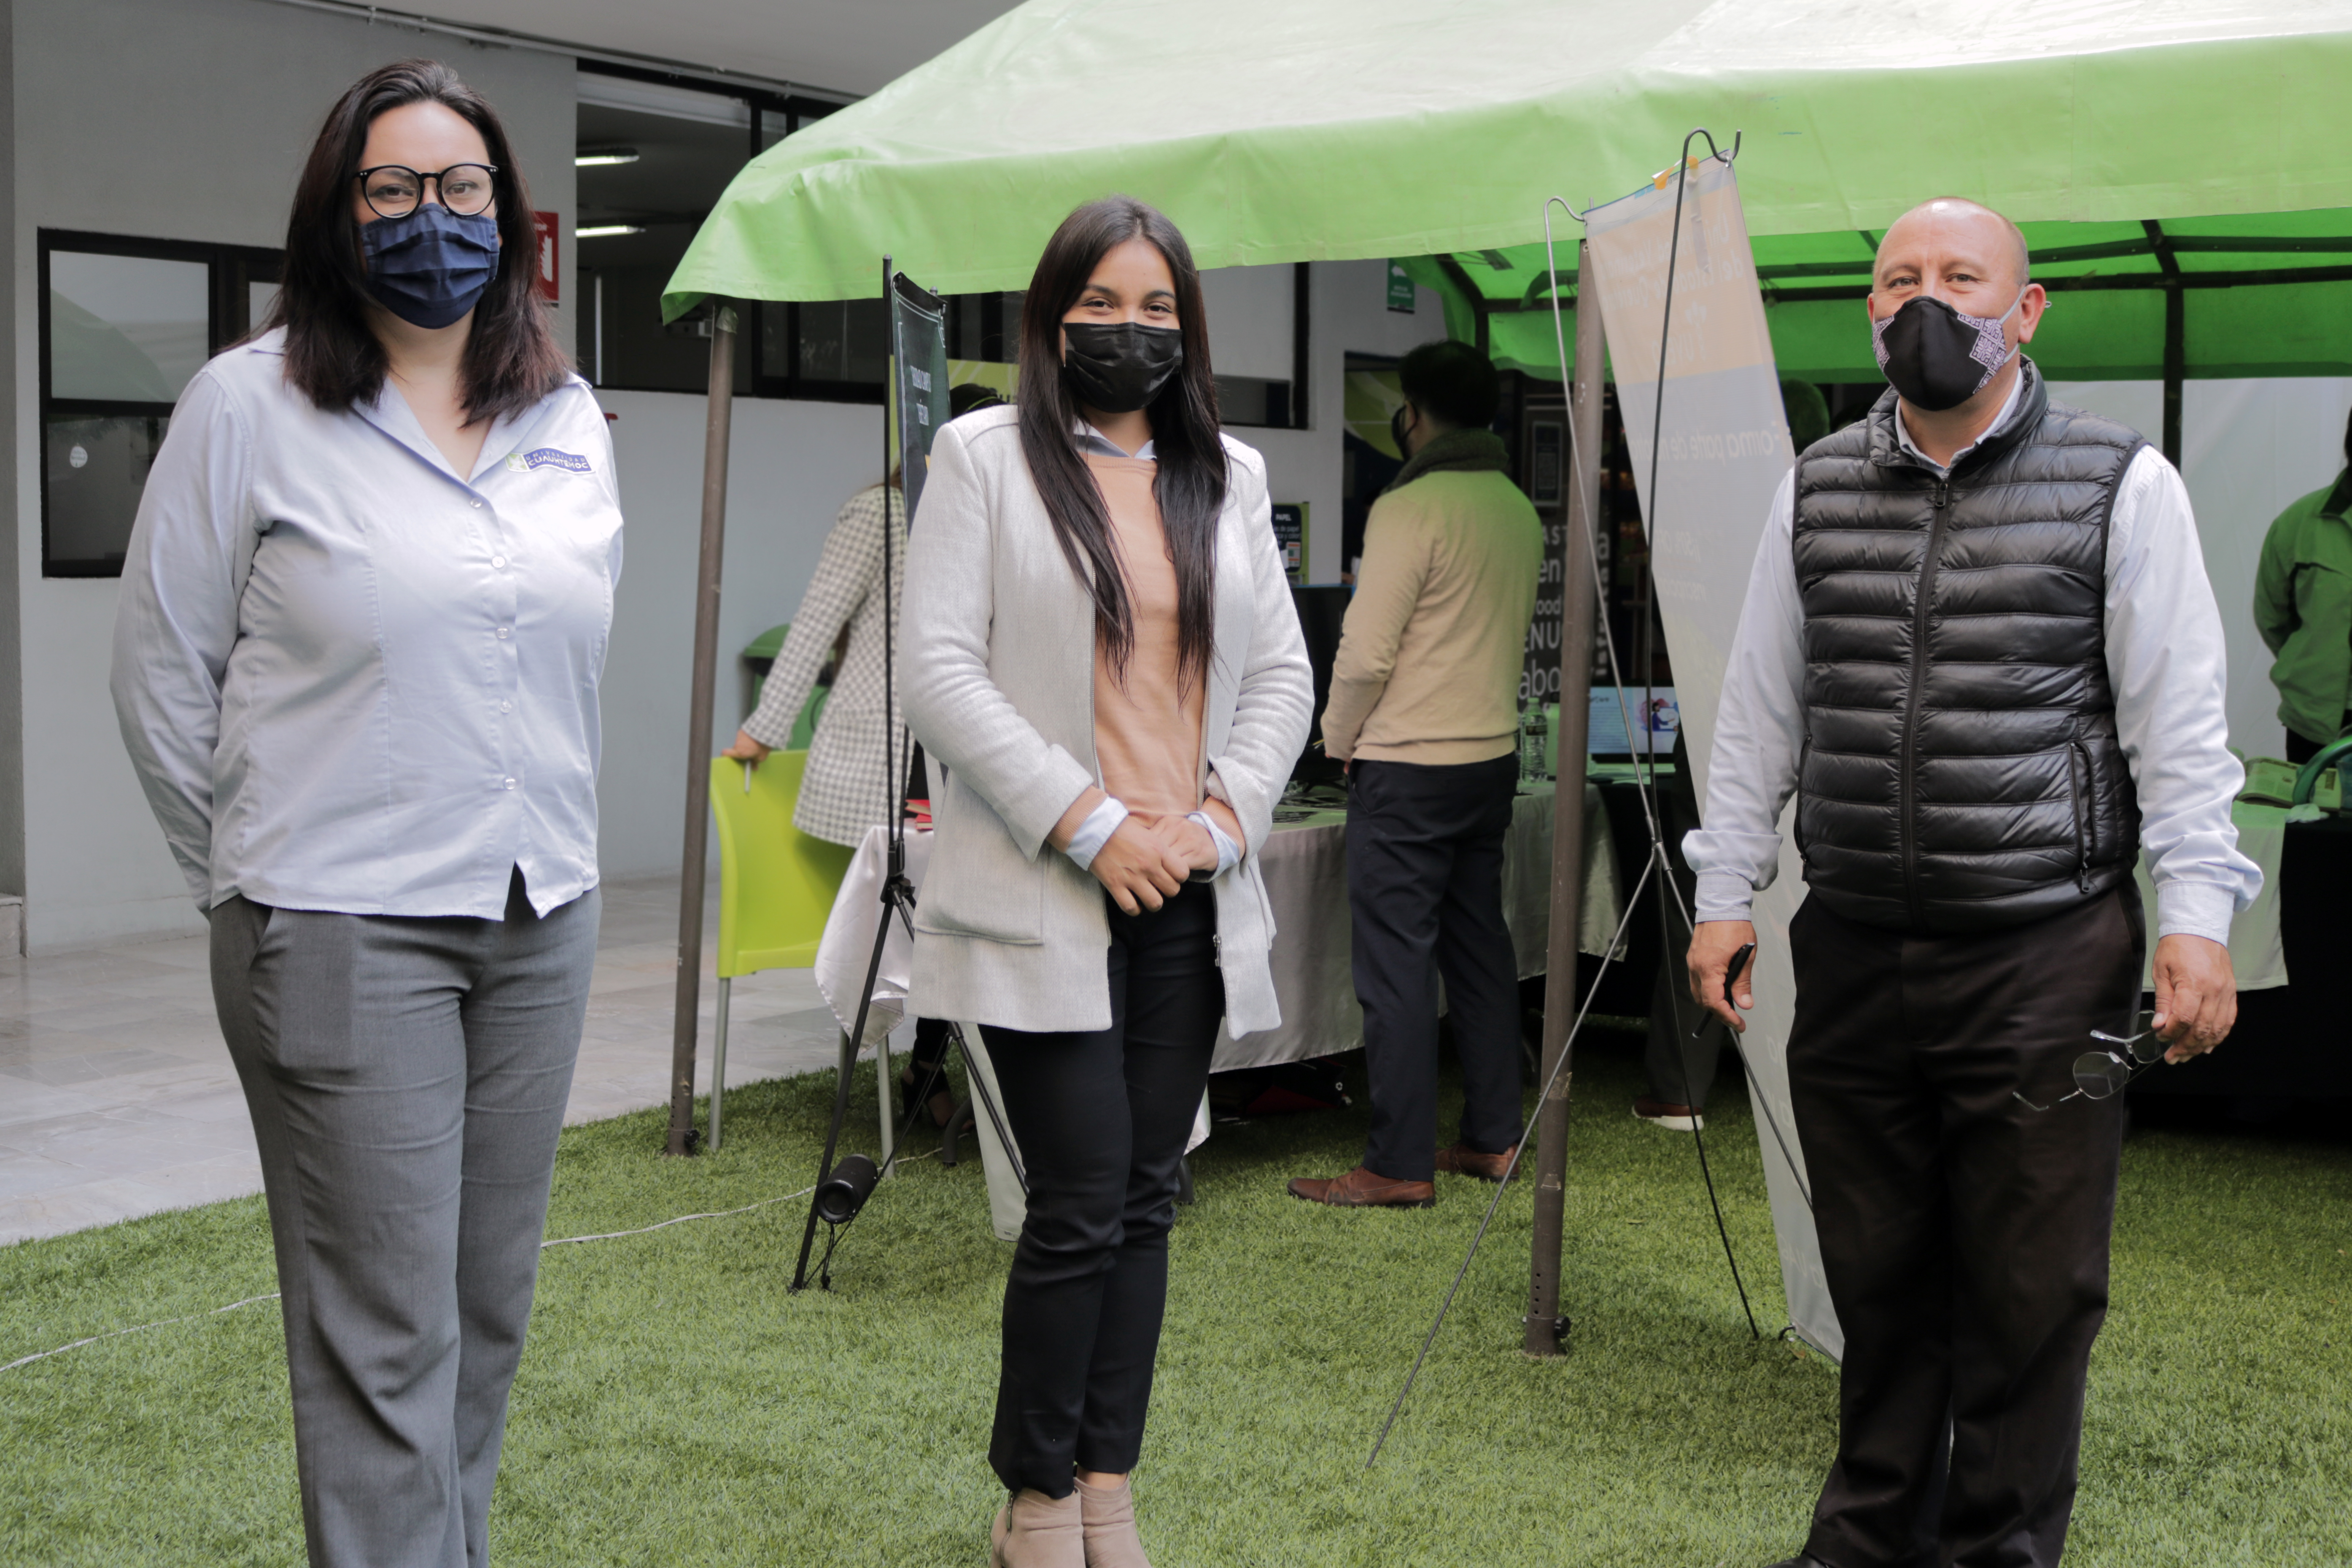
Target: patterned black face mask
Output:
[(1937, 357), (1117, 367)]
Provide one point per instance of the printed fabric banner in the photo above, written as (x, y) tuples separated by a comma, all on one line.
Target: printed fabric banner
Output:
[(918, 353), (1723, 448)]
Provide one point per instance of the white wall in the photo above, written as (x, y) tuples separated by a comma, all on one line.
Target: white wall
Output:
[(2248, 449), (1251, 311), (1347, 314), (172, 119), (791, 465)]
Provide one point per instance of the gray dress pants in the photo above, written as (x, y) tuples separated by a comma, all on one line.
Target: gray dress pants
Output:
[(408, 1078)]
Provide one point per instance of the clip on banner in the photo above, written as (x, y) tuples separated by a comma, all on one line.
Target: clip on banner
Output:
[(919, 380)]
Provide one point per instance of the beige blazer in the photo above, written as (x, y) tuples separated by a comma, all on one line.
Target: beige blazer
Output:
[(997, 678)]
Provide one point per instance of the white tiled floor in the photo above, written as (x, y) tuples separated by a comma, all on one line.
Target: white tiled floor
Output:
[(117, 1098)]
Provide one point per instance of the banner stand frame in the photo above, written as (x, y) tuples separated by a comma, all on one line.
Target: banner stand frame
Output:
[(717, 429), (1545, 1327)]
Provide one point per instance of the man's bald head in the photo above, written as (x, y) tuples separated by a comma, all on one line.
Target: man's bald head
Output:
[(1955, 224)]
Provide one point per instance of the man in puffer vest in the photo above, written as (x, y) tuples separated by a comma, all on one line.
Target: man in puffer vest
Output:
[(1980, 647)]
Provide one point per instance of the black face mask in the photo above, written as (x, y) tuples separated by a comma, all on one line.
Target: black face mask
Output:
[(1937, 357), (1118, 367)]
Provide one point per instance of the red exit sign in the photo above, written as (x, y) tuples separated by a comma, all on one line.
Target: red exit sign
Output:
[(550, 275)]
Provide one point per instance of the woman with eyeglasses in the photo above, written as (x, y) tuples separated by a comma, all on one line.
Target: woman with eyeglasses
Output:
[(362, 620), (1103, 661)]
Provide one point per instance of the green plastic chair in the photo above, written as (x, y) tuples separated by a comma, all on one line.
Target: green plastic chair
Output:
[(776, 884), (767, 645), (2307, 783)]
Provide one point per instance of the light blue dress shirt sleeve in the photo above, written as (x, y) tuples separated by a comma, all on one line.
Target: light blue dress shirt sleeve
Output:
[(176, 618)]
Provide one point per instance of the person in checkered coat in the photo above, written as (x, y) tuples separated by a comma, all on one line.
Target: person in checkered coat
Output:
[(846, 787)]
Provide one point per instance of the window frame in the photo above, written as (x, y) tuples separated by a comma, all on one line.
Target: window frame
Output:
[(230, 270), (756, 378)]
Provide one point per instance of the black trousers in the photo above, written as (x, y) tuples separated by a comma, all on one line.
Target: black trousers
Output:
[(1681, 1069), (1964, 1235), (1101, 1118), (1425, 894)]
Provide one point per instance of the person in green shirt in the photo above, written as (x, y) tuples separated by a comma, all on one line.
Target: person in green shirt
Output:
[(2303, 606)]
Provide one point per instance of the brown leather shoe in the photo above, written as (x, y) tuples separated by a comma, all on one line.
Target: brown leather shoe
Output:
[(1670, 1117), (1460, 1160), (1361, 1189)]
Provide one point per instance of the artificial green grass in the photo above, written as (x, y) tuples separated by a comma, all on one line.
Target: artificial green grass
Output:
[(677, 1405)]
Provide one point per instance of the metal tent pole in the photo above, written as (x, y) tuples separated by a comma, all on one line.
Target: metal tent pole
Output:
[(1545, 1325), (2176, 335), (720, 420)]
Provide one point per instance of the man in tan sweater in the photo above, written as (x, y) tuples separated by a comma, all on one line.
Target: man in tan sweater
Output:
[(1424, 709)]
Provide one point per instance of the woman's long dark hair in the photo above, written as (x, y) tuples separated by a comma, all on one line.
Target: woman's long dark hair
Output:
[(1191, 483), (512, 360)]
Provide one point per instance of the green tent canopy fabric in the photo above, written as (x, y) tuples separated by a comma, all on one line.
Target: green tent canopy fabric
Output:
[(2266, 294), (1337, 129)]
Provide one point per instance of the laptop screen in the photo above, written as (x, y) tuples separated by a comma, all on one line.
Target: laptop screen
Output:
[(1653, 734)]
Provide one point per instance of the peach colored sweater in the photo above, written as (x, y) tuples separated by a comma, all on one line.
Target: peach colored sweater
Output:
[(1147, 725)]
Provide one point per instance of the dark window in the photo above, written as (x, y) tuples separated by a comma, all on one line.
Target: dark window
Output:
[(125, 324), (1252, 401), (985, 327), (654, 154)]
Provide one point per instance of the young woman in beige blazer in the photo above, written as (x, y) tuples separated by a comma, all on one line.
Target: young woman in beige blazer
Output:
[(1103, 666)]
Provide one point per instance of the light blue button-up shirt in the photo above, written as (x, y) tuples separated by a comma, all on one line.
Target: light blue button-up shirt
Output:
[(353, 679)]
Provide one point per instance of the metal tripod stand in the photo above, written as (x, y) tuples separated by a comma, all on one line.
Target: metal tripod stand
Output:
[(899, 901)]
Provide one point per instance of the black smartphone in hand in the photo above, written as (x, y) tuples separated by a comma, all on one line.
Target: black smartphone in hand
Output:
[(1730, 977)]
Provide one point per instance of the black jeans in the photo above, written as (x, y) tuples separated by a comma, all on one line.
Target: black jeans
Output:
[(1681, 1069), (1964, 1235), (1425, 894), (1101, 1118)]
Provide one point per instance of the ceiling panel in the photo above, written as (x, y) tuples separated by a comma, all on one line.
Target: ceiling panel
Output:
[(842, 44)]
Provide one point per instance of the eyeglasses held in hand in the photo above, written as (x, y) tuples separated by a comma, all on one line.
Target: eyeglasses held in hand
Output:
[(2103, 1075)]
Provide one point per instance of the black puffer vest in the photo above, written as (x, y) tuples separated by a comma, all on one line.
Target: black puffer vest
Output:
[(1960, 770)]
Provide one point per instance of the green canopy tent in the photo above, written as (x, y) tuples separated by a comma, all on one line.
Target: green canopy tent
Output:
[(1331, 129), (2185, 167), (1374, 128), (2264, 294)]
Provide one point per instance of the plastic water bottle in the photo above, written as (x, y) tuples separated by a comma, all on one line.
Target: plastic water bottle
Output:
[(1535, 733)]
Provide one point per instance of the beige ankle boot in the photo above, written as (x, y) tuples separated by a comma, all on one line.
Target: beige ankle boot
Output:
[(1109, 1517), (1035, 1530)]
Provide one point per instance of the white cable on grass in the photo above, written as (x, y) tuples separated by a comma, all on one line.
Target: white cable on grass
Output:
[(558, 1241), (118, 1333), (665, 1224)]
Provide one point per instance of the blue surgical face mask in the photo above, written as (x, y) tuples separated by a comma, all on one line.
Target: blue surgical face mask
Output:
[(431, 267)]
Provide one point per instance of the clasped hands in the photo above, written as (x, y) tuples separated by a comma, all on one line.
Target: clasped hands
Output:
[(1146, 860)]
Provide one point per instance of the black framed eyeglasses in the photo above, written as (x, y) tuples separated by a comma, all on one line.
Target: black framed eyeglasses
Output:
[(392, 190), (2104, 1074)]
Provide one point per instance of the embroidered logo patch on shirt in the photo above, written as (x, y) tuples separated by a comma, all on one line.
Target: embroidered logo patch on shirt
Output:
[(547, 457)]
